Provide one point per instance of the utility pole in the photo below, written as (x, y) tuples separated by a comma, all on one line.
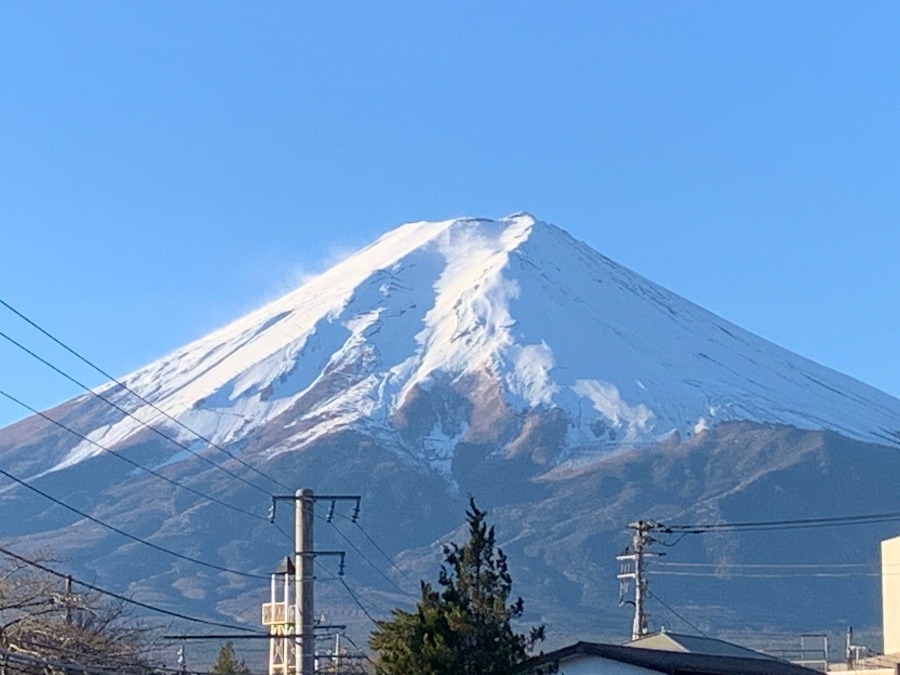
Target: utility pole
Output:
[(303, 611), (337, 652), (69, 600), (633, 561), (182, 660), (304, 562)]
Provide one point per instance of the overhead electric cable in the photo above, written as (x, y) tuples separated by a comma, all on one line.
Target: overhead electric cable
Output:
[(670, 544), (283, 531), (357, 648), (122, 457), (663, 603), (102, 658), (127, 413), (353, 595), (159, 610), (731, 565), (357, 601), (366, 558), (67, 666), (725, 575), (131, 391), (28, 659), (798, 523), (379, 549), (128, 535)]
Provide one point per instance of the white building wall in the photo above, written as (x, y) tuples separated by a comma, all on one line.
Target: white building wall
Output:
[(595, 665), (863, 671), (890, 594)]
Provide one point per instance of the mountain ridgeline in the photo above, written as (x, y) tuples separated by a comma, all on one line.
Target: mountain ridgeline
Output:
[(502, 359)]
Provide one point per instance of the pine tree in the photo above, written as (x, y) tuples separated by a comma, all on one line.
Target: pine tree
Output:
[(227, 663), (464, 626)]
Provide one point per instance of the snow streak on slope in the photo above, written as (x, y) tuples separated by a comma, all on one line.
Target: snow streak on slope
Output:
[(555, 324)]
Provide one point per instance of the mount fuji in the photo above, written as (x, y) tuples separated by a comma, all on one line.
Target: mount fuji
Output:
[(503, 359), (533, 332)]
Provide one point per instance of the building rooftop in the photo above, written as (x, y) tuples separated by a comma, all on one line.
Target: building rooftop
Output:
[(694, 644), (714, 657)]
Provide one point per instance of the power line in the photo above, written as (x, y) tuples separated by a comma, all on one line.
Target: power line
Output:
[(352, 595), (30, 659), (671, 609), (127, 535), (128, 414), (283, 531), (366, 558), (798, 523), (357, 648), (357, 601), (122, 457), (730, 565), (103, 658), (66, 666), (670, 544), (117, 596), (725, 575), (121, 384), (380, 550)]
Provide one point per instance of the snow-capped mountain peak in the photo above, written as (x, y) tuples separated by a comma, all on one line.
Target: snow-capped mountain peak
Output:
[(507, 333)]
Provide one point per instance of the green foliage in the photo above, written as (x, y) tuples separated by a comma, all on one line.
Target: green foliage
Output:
[(227, 663), (462, 627)]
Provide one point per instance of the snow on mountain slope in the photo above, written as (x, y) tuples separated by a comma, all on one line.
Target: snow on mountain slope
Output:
[(554, 325)]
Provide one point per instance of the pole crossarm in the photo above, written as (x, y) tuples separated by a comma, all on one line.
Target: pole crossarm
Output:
[(356, 499), (319, 498)]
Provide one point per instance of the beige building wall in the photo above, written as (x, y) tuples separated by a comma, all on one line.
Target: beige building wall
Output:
[(890, 594)]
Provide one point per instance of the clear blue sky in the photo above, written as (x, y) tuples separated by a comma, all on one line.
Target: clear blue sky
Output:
[(167, 166)]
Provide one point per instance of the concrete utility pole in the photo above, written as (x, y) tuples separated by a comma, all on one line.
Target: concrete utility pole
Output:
[(303, 610), (304, 563), (633, 561), (337, 653), (182, 660)]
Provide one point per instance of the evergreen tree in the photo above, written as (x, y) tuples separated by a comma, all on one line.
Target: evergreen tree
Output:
[(462, 627), (227, 663)]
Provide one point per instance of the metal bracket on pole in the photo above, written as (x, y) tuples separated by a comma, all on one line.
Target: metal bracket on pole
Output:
[(342, 554)]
